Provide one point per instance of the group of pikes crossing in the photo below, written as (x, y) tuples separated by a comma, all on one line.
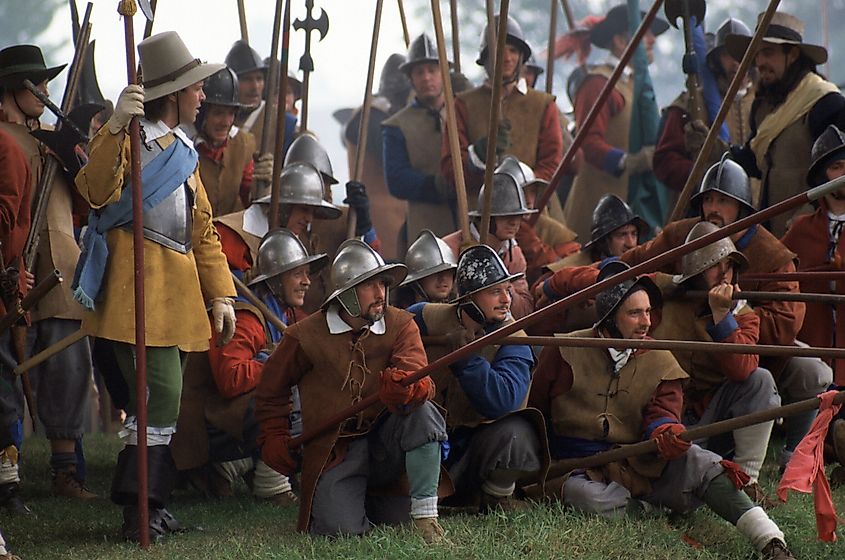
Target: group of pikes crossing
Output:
[(506, 311)]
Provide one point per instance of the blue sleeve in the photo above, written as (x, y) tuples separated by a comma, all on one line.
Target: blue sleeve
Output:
[(403, 181), (416, 310), (610, 164), (722, 330), (290, 130), (500, 387), (659, 422)]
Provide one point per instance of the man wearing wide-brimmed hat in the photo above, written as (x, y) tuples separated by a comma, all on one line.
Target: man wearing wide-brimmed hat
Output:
[(185, 269), (794, 105), (608, 163), (63, 381)]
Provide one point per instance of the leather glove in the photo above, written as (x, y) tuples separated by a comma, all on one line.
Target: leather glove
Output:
[(503, 141), (223, 313), (640, 162), (669, 445), (263, 170), (129, 104), (276, 453), (401, 399), (695, 133), (357, 199)]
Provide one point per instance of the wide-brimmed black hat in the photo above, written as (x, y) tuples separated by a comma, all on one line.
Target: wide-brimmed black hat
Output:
[(22, 62), (784, 29), (616, 22)]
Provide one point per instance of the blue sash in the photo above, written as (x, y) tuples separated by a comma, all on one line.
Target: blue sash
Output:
[(159, 179)]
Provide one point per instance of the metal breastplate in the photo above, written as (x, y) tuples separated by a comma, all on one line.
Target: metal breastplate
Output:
[(170, 222)]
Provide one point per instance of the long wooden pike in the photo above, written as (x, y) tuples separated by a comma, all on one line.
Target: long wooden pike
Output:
[(584, 128), (491, 33), (456, 38), (727, 101), (550, 59), (361, 153), (451, 122), (242, 21), (650, 265), (250, 296), (405, 34), (281, 115), (490, 161), (794, 276), (803, 297), (271, 106), (560, 468), (567, 10)]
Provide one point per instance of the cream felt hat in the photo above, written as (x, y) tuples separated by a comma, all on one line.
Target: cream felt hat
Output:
[(167, 66)]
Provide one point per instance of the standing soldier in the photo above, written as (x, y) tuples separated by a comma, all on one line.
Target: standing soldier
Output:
[(216, 434), (529, 123), (373, 347), (596, 399), (431, 271), (792, 107), (64, 380), (818, 241), (608, 165), (683, 135), (494, 439), (185, 269), (226, 165), (412, 139)]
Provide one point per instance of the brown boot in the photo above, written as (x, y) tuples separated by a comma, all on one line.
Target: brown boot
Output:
[(759, 496), (430, 530), (65, 484), (282, 499), (776, 550), (506, 504)]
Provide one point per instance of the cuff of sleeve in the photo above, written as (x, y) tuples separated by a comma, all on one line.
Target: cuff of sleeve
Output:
[(547, 289), (369, 237), (475, 160), (610, 164), (659, 422), (722, 330)]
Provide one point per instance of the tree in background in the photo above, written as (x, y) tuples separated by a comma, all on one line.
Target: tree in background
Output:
[(25, 21)]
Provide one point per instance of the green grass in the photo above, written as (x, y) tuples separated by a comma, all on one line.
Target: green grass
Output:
[(240, 528)]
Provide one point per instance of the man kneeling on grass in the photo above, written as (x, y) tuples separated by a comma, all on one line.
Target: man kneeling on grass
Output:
[(595, 399), (355, 347)]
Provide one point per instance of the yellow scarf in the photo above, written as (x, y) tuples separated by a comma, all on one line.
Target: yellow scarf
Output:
[(805, 95)]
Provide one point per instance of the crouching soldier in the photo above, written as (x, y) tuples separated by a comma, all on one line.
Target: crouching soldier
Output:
[(494, 440), (431, 271), (215, 440), (596, 399), (355, 347)]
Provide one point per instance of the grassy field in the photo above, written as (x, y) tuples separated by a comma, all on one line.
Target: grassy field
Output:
[(239, 528)]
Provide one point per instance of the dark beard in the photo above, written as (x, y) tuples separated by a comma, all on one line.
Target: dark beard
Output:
[(776, 94)]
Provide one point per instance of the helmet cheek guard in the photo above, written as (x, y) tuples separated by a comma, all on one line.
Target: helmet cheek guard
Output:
[(349, 302)]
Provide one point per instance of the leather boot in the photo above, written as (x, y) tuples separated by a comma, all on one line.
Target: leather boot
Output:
[(66, 484), (11, 501)]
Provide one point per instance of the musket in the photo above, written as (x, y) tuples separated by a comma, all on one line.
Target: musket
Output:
[(28, 301), (250, 296), (242, 20), (361, 152), (550, 59), (451, 123), (493, 123), (281, 116), (127, 9), (560, 468), (794, 276), (271, 103), (405, 34), (803, 297), (48, 172), (456, 39), (738, 80), (686, 10), (60, 115), (306, 61), (584, 128), (48, 352), (650, 265)]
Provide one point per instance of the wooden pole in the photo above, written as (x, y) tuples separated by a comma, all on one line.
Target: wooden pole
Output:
[(405, 33), (567, 10), (281, 115), (650, 265), (361, 153), (584, 128), (491, 33), (268, 141), (803, 297), (242, 20), (29, 300), (490, 161), (793, 276), (49, 352), (127, 9), (148, 26), (456, 39), (250, 296), (451, 123), (727, 100), (550, 58)]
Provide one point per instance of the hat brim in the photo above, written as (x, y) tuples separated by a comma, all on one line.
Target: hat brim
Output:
[(509, 278), (192, 76), (406, 67), (419, 275), (325, 211), (36, 76), (396, 272), (602, 34), (317, 262), (815, 175), (740, 262), (736, 45), (477, 213), (639, 223)]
